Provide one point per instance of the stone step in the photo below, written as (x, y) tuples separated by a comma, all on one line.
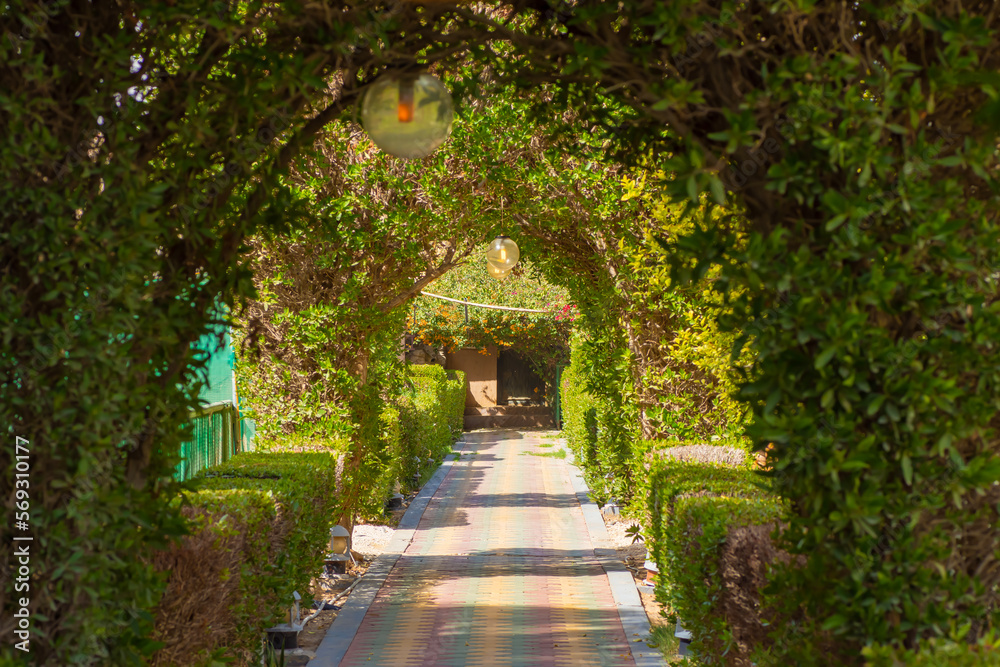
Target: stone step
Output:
[(497, 410), (473, 422)]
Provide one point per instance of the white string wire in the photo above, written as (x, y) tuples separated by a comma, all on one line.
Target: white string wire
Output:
[(486, 305)]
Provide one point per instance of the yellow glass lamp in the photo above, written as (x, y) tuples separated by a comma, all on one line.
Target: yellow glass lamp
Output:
[(495, 272), (503, 253), (407, 114)]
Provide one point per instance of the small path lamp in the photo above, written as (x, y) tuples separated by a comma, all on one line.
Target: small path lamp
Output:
[(340, 550), (285, 635), (407, 114)]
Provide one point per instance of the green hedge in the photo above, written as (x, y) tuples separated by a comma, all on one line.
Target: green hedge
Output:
[(282, 503), (219, 578), (693, 508), (690, 558), (937, 653), (304, 485), (599, 419), (448, 390), (670, 480), (439, 397), (647, 459), (579, 419), (454, 401), (430, 416)]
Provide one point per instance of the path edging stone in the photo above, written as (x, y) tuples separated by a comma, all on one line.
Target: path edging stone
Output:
[(341, 632)]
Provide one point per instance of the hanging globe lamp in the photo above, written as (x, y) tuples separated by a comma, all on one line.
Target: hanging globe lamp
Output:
[(495, 272), (503, 253), (407, 115)]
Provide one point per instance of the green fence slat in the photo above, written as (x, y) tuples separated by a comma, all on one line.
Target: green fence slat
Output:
[(214, 439)]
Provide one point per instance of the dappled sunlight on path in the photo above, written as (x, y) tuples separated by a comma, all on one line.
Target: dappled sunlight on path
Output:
[(501, 571)]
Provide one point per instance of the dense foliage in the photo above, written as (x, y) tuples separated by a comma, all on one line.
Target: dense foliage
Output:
[(859, 141), (650, 361), (600, 419), (954, 652), (146, 143)]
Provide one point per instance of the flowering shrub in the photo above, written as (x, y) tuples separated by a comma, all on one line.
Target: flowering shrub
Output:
[(542, 338)]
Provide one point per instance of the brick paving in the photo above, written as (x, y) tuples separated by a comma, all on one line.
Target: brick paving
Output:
[(501, 571)]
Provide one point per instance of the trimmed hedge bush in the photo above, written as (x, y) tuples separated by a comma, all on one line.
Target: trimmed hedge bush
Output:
[(651, 456), (670, 479), (579, 412), (691, 554), (710, 535), (937, 653), (418, 431), (304, 486), (599, 422), (431, 413), (204, 611), (260, 524)]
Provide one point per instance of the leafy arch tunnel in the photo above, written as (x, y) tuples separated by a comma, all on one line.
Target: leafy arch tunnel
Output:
[(805, 174)]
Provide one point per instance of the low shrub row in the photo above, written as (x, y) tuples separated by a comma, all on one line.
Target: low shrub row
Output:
[(258, 529), (710, 535), (442, 398), (430, 414), (579, 412), (598, 430), (953, 652), (259, 524)]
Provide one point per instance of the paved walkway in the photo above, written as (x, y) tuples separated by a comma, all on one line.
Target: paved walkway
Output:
[(500, 570)]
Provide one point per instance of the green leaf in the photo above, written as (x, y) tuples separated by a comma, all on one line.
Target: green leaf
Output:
[(718, 190), (824, 357), (828, 397), (875, 404), (692, 188), (835, 221), (834, 622)]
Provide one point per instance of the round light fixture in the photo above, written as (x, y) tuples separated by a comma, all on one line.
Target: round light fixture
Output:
[(503, 253), (407, 115), (495, 272)]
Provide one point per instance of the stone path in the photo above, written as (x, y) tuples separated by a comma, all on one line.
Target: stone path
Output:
[(500, 570)]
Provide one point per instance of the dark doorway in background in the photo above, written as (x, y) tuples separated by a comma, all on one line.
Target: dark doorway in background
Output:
[(517, 383)]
